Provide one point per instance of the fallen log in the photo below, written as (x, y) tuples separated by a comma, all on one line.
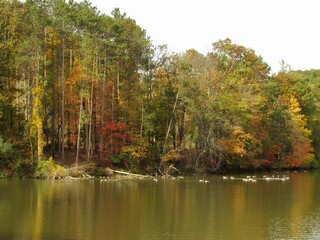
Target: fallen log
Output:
[(71, 178), (131, 174)]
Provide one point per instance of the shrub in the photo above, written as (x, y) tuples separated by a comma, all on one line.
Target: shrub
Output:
[(23, 167), (7, 154), (46, 168)]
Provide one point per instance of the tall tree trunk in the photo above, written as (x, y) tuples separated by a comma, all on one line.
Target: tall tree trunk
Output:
[(181, 127), (142, 120), (118, 82), (90, 107), (170, 123), (112, 117), (37, 110), (53, 118), (62, 93), (27, 85), (45, 90), (102, 111), (69, 131), (79, 131)]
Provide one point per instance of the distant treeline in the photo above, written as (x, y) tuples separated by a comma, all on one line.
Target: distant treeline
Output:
[(79, 85)]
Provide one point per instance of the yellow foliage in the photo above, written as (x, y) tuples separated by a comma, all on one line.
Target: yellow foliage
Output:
[(302, 151), (238, 142), (294, 106), (46, 168), (171, 155), (136, 151), (36, 126), (299, 121)]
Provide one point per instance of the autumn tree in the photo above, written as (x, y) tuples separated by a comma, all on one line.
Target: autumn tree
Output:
[(79, 85)]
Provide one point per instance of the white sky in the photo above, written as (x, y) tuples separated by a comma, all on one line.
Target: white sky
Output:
[(275, 29)]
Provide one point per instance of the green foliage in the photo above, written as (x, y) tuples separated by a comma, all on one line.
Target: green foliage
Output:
[(23, 167), (6, 150), (314, 164), (7, 154), (118, 158), (12, 159), (211, 112)]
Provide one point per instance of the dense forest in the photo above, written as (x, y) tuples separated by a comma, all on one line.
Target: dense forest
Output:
[(80, 86)]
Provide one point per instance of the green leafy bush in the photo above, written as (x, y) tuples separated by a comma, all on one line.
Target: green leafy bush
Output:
[(119, 157), (23, 167), (46, 168), (314, 163), (6, 153)]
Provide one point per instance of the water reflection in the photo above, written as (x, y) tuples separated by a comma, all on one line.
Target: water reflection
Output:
[(167, 209)]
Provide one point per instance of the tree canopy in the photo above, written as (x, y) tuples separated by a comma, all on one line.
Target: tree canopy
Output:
[(78, 85)]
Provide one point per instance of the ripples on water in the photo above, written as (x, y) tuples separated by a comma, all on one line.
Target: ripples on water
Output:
[(177, 209), (307, 228)]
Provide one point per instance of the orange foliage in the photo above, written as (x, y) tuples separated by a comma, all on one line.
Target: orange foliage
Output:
[(72, 91), (238, 142)]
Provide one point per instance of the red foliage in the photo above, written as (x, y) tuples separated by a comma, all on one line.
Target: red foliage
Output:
[(115, 136)]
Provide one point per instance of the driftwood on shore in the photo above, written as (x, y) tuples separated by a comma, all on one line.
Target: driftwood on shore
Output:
[(130, 174), (80, 170), (83, 170)]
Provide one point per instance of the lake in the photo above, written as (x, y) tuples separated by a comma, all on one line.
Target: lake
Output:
[(164, 209)]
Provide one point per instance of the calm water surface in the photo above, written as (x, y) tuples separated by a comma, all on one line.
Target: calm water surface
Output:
[(168, 209)]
